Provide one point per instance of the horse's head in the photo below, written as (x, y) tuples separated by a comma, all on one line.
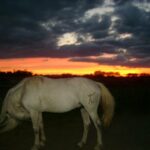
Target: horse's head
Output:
[(7, 123)]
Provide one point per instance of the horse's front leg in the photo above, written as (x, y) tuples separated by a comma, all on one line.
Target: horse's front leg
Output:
[(35, 117), (42, 133)]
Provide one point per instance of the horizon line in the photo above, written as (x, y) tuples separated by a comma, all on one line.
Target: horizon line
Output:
[(96, 73)]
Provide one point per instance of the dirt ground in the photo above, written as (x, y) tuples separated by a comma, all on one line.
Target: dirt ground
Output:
[(129, 131)]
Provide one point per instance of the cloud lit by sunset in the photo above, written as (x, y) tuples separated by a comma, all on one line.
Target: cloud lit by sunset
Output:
[(77, 37)]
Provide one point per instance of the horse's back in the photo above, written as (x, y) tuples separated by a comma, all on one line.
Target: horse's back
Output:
[(53, 95)]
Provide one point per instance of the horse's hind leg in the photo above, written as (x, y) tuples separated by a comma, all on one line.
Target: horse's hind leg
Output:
[(96, 121), (35, 117), (86, 123)]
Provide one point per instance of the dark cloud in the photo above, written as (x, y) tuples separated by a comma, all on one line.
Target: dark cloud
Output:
[(119, 60), (133, 20), (140, 51), (32, 28)]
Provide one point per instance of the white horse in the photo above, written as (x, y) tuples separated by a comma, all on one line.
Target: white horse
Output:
[(34, 95)]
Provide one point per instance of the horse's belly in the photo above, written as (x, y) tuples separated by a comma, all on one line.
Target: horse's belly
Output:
[(59, 104)]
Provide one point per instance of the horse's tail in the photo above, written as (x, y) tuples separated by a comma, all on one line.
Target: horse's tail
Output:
[(107, 103)]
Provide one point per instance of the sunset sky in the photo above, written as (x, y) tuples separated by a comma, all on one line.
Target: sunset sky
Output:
[(75, 36)]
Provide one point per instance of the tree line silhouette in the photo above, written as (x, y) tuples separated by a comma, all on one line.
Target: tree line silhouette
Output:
[(24, 73)]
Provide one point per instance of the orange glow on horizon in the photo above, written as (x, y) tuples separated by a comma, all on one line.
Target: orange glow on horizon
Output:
[(62, 66)]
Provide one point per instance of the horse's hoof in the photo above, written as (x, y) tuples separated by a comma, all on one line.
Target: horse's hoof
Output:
[(35, 147), (80, 144), (98, 147), (42, 143)]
